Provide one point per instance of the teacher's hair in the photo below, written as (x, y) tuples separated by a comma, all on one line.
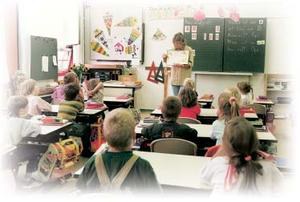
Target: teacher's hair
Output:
[(179, 37)]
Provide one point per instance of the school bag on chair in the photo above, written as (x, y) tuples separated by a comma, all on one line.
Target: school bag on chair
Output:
[(96, 138)]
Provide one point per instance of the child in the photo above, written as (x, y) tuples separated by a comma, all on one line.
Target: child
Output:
[(245, 89), (118, 130), (35, 104), (188, 82), (73, 103), (227, 109), (95, 89), (58, 95), (169, 127), (19, 126), (190, 107), (239, 166), (234, 92)]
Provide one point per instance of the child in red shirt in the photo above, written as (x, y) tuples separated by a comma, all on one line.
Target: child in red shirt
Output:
[(190, 107)]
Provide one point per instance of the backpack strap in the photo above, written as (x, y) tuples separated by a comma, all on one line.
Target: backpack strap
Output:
[(117, 181)]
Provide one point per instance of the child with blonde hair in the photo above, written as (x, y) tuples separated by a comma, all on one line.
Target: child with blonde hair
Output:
[(95, 90), (227, 109), (35, 104), (239, 167), (234, 92)]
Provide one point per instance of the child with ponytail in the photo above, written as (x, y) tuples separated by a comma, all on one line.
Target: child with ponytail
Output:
[(227, 109), (246, 92), (238, 166)]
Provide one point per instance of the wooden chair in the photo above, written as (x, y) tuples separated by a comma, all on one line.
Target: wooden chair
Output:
[(188, 120), (173, 146)]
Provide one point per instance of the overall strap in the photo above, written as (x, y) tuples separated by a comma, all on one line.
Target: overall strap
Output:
[(122, 174), (101, 172), (117, 181)]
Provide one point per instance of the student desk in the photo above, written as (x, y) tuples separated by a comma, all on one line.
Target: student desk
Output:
[(208, 116), (114, 102), (86, 116), (205, 103), (268, 103), (174, 170), (204, 131), (112, 84)]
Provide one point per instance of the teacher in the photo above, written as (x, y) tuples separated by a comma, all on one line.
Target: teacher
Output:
[(179, 72)]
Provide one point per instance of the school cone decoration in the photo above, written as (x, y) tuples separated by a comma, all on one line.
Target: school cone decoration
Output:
[(98, 48), (133, 36), (199, 15), (128, 22), (99, 35), (234, 15)]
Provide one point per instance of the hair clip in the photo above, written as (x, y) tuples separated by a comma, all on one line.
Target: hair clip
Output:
[(248, 158), (232, 99)]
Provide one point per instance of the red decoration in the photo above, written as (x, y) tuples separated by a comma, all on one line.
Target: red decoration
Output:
[(234, 15), (199, 15), (152, 73)]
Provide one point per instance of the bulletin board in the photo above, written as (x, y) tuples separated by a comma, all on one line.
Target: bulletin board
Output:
[(43, 48), (114, 33)]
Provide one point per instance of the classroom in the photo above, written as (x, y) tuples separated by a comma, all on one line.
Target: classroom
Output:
[(155, 97)]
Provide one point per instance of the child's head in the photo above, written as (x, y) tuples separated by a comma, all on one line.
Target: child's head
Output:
[(92, 83), (244, 87), (241, 144), (17, 106), (171, 108), (28, 87), (118, 129), (70, 77), (188, 82), (188, 97), (235, 93), (71, 91), (228, 106)]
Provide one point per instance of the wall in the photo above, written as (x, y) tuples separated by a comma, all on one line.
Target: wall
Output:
[(278, 60)]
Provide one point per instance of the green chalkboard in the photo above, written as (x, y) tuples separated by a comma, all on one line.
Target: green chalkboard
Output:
[(206, 38), (43, 46), (244, 45)]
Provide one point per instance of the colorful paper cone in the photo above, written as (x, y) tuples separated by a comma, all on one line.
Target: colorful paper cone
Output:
[(108, 22), (98, 48), (99, 35), (133, 36), (128, 22)]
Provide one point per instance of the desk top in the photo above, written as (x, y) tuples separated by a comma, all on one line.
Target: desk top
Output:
[(116, 84), (54, 108), (115, 99), (186, 174), (205, 100), (209, 113), (45, 129), (264, 102), (204, 131)]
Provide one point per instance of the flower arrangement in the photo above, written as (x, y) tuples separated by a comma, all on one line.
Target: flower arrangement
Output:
[(79, 70)]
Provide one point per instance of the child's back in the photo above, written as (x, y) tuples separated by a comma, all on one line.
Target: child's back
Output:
[(190, 107), (73, 103), (95, 88)]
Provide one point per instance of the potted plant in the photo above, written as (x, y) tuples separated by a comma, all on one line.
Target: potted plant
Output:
[(79, 70)]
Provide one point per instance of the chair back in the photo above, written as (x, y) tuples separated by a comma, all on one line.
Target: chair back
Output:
[(261, 111), (174, 146), (188, 120)]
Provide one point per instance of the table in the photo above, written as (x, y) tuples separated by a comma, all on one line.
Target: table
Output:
[(114, 102), (111, 84), (187, 172), (205, 103), (204, 131), (268, 103)]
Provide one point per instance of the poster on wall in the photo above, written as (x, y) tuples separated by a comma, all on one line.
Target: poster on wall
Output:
[(115, 33)]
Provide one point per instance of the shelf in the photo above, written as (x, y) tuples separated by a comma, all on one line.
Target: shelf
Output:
[(278, 90)]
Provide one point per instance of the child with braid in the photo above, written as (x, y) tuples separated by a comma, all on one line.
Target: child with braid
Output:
[(239, 167)]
